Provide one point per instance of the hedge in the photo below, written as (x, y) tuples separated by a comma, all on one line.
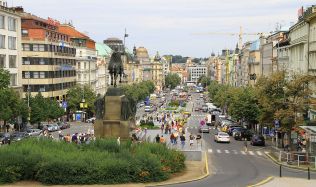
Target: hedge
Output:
[(100, 162)]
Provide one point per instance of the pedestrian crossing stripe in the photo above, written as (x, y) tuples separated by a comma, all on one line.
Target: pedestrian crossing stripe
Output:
[(235, 152)]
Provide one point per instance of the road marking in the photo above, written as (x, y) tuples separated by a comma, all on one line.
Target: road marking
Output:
[(226, 151), (235, 152), (210, 150), (219, 151), (243, 152), (251, 153), (266, 152), (259, 153)]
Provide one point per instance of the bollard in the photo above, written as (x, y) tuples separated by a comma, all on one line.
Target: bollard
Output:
[(308, 174), (280, 170)]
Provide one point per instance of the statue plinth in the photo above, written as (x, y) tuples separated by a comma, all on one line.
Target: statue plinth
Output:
[(113, 123)]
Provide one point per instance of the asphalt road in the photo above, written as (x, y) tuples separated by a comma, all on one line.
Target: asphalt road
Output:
[(230, 166)]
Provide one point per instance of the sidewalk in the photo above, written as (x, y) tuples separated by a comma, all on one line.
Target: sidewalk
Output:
[(290, 182), (151, 135)]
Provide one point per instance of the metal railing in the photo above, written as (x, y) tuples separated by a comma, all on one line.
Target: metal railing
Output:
[(300, 159)]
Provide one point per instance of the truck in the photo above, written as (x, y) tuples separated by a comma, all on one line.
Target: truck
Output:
[(210, 120)]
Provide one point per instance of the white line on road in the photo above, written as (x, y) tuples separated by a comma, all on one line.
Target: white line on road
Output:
[(243, 152), (251, 153), (235, 152), (259, 153), (226, 151), (210, 150), (219, 151)]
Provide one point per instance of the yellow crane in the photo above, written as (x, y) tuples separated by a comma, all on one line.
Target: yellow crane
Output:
[(240, 35)]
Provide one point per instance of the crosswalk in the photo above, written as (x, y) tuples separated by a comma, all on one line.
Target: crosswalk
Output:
[(236, 152)]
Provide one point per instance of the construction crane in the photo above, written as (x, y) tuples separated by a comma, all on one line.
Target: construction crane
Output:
[(240, 35)]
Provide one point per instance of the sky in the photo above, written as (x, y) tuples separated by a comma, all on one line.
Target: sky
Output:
[(170, 26)]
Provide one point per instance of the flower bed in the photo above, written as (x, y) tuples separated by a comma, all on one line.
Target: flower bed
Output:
[(100, 162)]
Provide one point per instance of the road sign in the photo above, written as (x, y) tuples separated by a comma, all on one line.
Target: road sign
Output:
[(64, 104)]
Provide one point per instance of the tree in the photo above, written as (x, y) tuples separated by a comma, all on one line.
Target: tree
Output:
[(244, 105), (4, 79), (77, 93), (11, 105), (172, 80), (205, 81), (139, 91)]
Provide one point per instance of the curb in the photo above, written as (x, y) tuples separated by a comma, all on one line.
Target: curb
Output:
[(187, 181), (264, 181), (288, 166)]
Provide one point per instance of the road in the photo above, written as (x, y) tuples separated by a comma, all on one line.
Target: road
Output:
[(229, 165)]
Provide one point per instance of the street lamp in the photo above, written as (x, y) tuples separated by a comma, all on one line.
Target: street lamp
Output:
[(28, 86)]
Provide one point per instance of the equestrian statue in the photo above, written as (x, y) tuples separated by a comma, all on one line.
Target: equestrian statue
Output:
[(116, 67)]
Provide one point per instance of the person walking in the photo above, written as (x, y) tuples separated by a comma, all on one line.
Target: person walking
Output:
[(191, 137), (118, 141), (162, 139), (162, 128), (182, 139), (157, 138), (245, 145)]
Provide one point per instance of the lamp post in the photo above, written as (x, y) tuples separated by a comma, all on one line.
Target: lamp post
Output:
[(28, 85)]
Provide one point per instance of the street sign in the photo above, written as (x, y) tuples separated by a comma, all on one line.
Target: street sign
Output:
[(277, 123), (65, 104)]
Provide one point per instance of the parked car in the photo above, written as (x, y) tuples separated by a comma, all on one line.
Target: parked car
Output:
[(204, 128), (221, 137), (233, 127), (5, 138), (91, 120), (33, 132), (18, 136), (243, 134), (63, 125), (257, 140)]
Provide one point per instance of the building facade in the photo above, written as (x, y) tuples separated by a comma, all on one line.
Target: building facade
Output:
[(48, 58), (102, 75), (196, 71), (254, 62), (10, 45), (310, 18), (86, 59)]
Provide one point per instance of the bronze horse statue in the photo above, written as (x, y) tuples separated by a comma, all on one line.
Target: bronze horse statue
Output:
[(116, 67)]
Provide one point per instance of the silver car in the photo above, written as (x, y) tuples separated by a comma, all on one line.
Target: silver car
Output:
[(34, 132)]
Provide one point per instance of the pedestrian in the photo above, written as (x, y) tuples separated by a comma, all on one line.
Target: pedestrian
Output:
[(172, 138), (157, 138), (245, 145), (191, 140), (162, 139), (182, 139), (198, 139), (118, 141), (169, 129), (74, 138), (60, 135)]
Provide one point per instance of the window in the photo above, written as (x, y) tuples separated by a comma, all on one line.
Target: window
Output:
[(42, 74), (35, 75), (12, 42), (2, 61), (41, 47), (12, 61), (35, 47), (25, 32), (11, 24), (2, 41), (13, 78), (2, 22), (27, 75), (41, 61), (26, 47)]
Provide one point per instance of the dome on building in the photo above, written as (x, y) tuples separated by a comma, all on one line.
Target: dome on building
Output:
[(142, 52)]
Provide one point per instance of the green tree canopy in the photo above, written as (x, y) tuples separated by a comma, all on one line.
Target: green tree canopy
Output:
[(172, 80), (76, 94), (204, 80)]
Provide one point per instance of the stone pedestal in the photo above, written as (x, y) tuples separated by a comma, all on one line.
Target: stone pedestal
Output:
[(111, 125)]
